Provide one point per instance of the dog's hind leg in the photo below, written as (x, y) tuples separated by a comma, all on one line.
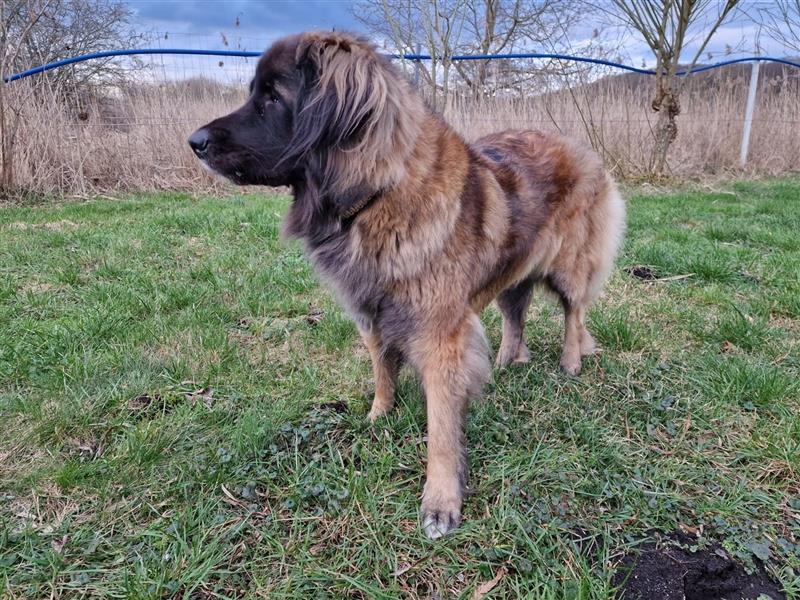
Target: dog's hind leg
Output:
[(578, 342), (513, 303), (385, 366), (454, 366), (575, 333), (588, 345)]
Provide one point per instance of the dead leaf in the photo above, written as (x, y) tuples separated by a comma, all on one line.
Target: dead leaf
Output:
[(337, 406), (488, 586), (143, 401), (229, 497), (405, 567), (727, 346), (58, 545), (206, 395), (314, 315), (90, 449), (695, 531), (642, 272)]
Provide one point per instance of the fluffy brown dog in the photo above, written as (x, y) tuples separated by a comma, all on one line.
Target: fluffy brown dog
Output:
[(416, 230)]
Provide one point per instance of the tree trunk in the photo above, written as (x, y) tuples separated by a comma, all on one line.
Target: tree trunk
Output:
[(6, 166), (667, 104), (445, 84)]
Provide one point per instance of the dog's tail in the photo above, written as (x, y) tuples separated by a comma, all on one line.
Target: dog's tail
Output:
[(611, 216)]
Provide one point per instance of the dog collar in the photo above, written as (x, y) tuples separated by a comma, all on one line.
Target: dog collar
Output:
[(360, 205)]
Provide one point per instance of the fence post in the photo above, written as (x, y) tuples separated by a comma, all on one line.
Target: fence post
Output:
[(748, 114)]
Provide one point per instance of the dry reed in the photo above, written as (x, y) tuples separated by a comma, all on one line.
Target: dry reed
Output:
[(135, 138)]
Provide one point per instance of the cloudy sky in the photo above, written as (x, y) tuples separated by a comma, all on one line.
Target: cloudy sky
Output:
[(254, 24)]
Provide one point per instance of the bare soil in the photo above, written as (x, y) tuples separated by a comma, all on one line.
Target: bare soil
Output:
[(669, 572)]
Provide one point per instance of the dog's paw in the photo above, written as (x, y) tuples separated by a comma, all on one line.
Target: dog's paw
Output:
[(379, 408), (376, 413), (523, 355), (438, 523), (441, 506), (508, 356), (571, 365), (503, 360)]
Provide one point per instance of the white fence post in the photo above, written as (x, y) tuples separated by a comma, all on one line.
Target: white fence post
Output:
[(748, 114)]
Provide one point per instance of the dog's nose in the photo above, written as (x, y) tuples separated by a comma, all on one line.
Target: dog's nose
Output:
[(199, 141)]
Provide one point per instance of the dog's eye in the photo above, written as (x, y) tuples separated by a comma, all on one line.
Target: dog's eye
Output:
[(274, 99)]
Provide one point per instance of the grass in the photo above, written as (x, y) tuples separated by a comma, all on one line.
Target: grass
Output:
[(183, 412)]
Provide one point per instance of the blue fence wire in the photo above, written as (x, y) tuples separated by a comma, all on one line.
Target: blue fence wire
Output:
[(411, 57)]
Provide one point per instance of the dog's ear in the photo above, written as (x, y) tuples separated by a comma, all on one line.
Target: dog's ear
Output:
[(343, 96), (341, 117), (345, 88), (356, 120)]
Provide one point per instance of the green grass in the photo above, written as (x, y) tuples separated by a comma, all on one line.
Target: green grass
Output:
[(183, 412)]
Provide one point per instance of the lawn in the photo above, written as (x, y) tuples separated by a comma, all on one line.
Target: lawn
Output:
[(183, 412)]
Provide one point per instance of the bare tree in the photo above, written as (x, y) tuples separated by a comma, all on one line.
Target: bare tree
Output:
[(668, 27), (506, 26), (33, 32), (494, 26), (17, 21), (443, 22), (446, 28), (408, 25), (65, 28), (781, 21)]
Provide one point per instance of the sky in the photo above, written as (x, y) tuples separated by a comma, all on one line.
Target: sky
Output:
[(254, 24)]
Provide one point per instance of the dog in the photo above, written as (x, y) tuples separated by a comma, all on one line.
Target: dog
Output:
[(416, 231)]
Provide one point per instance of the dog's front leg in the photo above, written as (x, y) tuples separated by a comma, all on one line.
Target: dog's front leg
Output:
[(454, 366), (385, 366)]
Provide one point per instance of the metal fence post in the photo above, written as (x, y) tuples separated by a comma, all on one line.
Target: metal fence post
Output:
[(748, 114)]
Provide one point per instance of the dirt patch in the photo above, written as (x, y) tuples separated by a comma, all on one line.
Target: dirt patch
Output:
[(645, 273), (642, 272), (668, 572), (786, 323), (337, 406), (149, 406), (37, 287)]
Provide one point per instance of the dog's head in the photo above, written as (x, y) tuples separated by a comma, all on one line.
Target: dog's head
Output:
[(325, 109)]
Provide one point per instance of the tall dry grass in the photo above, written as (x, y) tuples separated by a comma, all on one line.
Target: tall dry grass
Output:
[(135, 138), (129, 139), (614, 116)]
